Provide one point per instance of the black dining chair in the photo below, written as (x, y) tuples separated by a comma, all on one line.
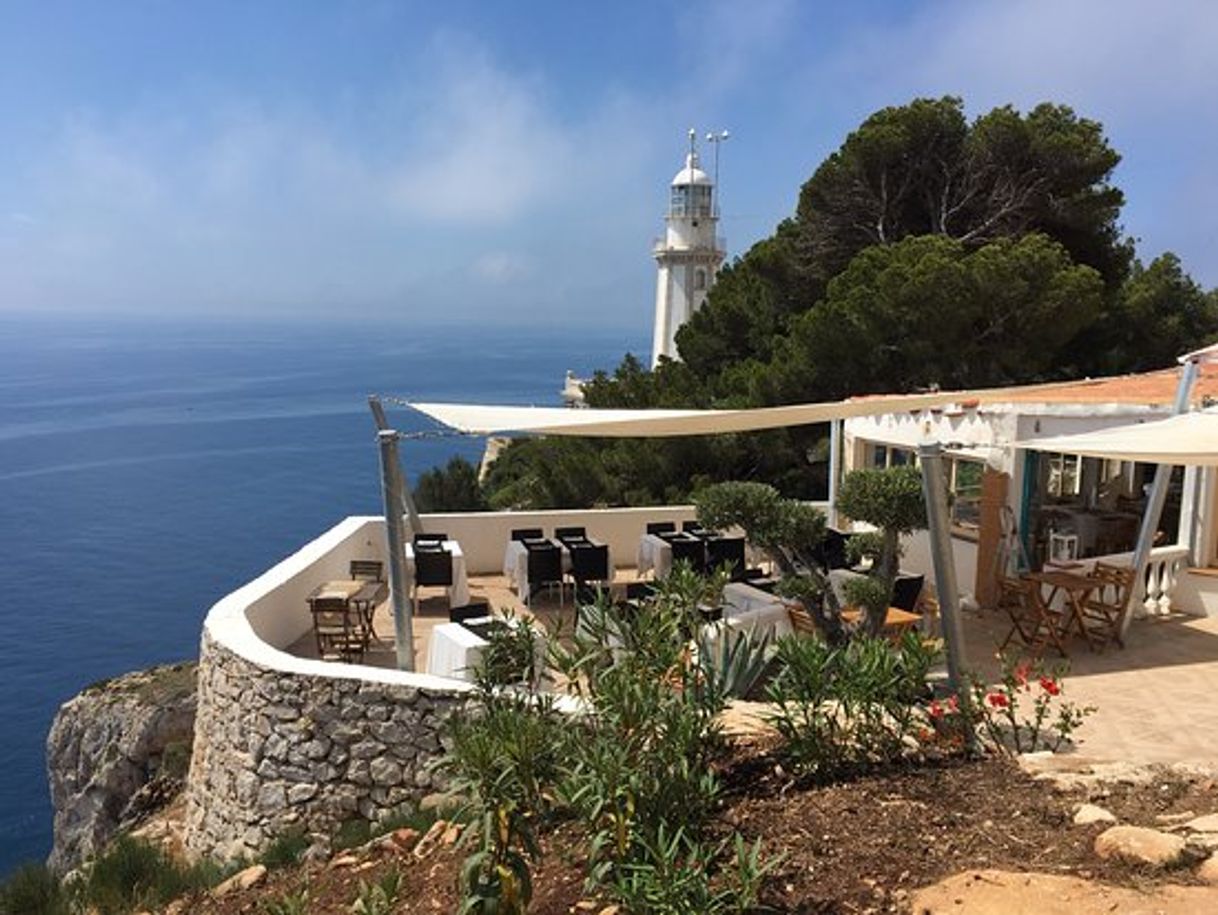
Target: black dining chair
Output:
[(661, 527), (471, 611), (430, 538), (832, 550), (589, 562), (545, 569), (726, 551), (694, 527), (563, 534), (527, 533), (690, 550), (906, 590), (433, 568)]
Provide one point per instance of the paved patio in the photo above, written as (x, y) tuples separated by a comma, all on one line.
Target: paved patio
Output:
[(1156, 699)]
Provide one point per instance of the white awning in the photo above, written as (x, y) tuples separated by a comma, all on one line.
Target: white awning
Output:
[(487, 420), (1190, 438)]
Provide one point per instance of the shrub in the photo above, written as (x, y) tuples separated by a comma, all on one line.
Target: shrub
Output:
[(132, 874), (851, 706), (33, 890), (1025, 710), (378, 898), (296, 903), (286, 849)]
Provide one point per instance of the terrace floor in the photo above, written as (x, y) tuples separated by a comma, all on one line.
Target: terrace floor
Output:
[(1156, 700)]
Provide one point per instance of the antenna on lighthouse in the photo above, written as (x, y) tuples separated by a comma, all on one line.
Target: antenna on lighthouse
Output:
[(718, 139)]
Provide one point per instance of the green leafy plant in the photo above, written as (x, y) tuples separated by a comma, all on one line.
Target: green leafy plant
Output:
[(379, 897), (33, 890), (286, 850), (133, 874), (849, 706), (1025, 710), (296, 903), (682, 876)]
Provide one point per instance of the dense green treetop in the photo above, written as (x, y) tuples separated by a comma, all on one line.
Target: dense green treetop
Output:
[(928, 250)]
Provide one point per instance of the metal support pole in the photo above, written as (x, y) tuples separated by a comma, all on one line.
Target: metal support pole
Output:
[(407, 500), (395, 535), (835, 467), (934, 488), (1158, 493)]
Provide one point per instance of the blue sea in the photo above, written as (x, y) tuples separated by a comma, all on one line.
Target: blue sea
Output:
[(148, 468)]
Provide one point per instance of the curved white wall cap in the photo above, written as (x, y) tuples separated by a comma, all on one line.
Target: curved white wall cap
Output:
[(228, 623)]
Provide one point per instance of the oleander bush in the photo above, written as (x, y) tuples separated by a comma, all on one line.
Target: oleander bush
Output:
[(844, 707), (634, 765)]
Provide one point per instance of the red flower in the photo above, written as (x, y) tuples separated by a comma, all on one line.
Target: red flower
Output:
[(1050, 686), (997, 700), (953, 703), (1021, 674), (936, 710)]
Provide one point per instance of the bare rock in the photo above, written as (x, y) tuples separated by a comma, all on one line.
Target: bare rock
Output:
[(1208, 871), (1208, 823), (1140, 845), (116, 753), (1087, 814), (406, 838), (430, 839), (242, 880), (344, 861)]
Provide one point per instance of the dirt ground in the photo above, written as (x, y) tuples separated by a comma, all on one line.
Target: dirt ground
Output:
[(870, 845)]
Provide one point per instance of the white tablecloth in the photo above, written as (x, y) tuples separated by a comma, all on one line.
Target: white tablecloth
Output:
[(458, 594), (516, 565), (453, 651), (655, 554)]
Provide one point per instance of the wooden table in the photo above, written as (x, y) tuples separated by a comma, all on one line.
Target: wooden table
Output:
[(897, 622), (1074, 587)]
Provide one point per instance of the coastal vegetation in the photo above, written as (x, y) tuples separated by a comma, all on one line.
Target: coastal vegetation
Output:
[(928, 250)]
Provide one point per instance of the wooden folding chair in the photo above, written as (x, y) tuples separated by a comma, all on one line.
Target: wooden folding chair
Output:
[(1037, 624), (1105, 608), (339, 629)]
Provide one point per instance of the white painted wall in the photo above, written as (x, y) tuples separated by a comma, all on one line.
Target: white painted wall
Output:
[(484, 535), (916, 558)]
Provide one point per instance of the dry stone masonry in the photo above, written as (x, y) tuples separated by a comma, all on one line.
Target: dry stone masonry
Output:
[(279, 751)]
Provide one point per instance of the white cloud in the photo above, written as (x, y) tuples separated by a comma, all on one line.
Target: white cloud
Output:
[(245, 206)]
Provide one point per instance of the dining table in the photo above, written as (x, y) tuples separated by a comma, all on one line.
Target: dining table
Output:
[(1074, 588), (516, 562), (458, 591), (453, 650)]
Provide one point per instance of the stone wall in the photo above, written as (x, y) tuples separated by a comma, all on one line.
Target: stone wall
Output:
[(279, 750)]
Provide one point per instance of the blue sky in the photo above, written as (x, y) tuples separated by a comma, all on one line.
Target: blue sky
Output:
[(508, 162)]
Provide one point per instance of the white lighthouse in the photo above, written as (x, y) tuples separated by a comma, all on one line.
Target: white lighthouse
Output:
[(689, 254)]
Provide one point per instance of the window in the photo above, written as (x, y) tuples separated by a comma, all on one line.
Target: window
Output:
[(964, 486), (680, 200), (1064, 474), (877, 455), (699, 279)]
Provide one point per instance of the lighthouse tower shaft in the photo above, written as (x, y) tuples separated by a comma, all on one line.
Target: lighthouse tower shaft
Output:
[(687, 257)]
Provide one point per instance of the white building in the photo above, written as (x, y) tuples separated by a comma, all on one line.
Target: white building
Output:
[(1012, 507), (689, 254)]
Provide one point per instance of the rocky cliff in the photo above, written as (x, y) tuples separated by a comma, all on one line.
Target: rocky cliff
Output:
[(117, 751)]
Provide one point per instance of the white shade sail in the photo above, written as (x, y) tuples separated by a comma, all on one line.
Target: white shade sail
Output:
[(1190, 438), (487, 420)]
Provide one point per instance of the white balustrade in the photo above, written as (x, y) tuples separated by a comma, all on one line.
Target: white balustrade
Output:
[(1163, 569)]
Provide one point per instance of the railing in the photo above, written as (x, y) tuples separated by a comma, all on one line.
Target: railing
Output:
[(1163, 569)]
